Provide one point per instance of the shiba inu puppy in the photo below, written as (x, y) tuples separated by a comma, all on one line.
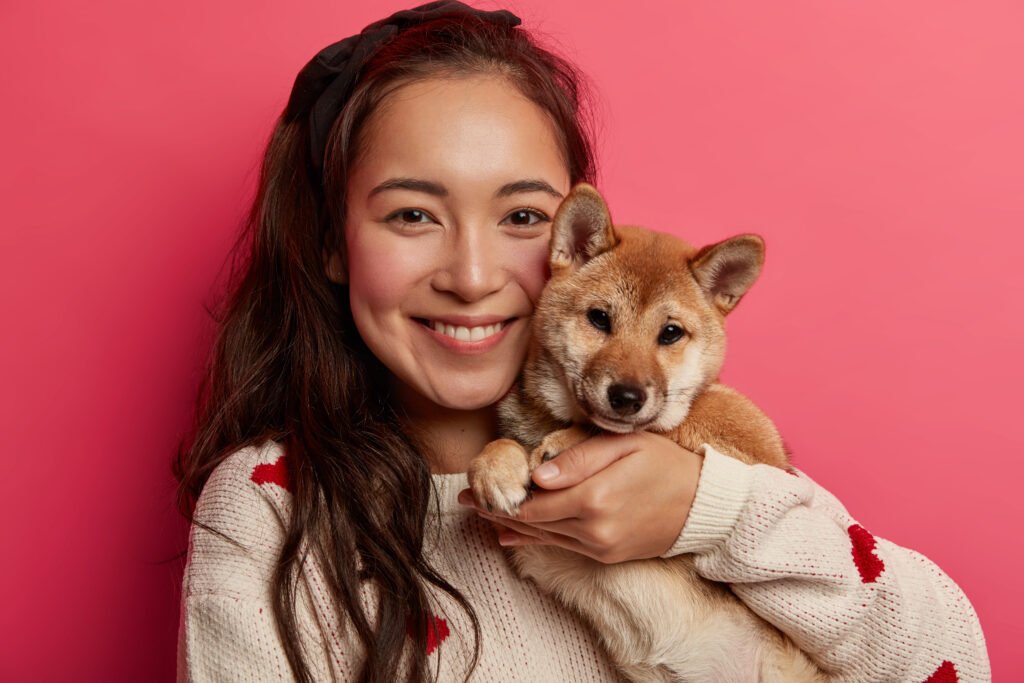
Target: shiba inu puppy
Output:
[(629, 335)]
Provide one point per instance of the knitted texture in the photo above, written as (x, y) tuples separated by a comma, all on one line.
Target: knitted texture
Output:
[(863, 608)]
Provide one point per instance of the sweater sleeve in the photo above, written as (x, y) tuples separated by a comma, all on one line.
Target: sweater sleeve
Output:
[(227, 629), (863, 608)]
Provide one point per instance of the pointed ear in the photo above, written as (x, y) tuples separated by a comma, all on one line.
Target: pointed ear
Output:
[(582, 228), (726, 270)]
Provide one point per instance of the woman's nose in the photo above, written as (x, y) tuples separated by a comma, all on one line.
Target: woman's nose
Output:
[(473, 267)]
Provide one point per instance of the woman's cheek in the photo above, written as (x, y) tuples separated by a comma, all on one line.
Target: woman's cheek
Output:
[(536, 270), (531, 264), (384, 267)]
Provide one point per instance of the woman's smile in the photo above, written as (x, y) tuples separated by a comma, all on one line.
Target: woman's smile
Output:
[(466, 338), (447, 234)]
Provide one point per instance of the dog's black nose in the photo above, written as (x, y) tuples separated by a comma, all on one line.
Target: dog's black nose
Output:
[(626, 399)]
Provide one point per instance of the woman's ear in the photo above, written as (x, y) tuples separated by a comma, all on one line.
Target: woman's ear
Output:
[(334, 265)]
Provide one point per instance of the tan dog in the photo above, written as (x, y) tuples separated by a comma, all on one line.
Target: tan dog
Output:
[(629, 335)]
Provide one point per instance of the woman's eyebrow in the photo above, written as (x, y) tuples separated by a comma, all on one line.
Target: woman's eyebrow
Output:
[(413, 184), (532, 185), (439, 190)]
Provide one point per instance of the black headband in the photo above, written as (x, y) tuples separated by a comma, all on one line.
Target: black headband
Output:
[(326, 81)]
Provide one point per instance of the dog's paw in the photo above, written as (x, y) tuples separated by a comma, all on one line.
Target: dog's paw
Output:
[(500, 477), (556, 442)]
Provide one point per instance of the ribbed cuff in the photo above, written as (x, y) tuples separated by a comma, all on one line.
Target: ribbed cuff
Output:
[(722, 491)]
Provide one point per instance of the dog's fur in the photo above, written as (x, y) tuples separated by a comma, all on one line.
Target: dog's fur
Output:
[(658, 619)]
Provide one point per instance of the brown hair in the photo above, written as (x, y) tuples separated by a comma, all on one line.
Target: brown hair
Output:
[(288, 363)]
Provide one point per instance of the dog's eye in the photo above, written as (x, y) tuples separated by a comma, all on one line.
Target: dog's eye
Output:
[(599, 319), (671, 334)]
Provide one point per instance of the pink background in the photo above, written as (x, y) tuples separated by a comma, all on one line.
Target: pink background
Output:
[(877, 146)]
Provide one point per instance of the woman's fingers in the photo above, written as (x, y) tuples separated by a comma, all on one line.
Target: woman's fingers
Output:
[(514, 533), (542, 506), (578, 494), (568, 528), (551, 506), (584, 460)]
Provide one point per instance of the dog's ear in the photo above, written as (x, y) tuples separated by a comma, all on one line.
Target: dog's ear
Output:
[(582, 228), (726, 270)]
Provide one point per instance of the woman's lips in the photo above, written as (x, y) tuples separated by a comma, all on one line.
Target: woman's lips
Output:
[(462, 346)]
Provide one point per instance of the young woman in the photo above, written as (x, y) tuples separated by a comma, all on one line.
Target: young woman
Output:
[(393, 255)]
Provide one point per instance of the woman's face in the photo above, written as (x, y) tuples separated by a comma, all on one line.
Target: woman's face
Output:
[(448, 218)]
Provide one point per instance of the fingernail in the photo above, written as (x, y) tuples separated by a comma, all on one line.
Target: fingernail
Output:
[(546, 472), (465, 499)]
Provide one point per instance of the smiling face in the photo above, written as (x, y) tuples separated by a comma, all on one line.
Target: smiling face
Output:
[(446, 231)]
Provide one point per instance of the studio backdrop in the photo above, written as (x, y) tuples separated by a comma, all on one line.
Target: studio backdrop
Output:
[(876, 146)]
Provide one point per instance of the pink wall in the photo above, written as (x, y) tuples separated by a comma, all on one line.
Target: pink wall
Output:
[(877, 146)]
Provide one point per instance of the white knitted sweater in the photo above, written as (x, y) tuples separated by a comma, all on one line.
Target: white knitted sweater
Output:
[(865, 609)]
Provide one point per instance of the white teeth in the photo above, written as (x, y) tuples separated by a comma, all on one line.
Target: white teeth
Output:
[(470, 334)]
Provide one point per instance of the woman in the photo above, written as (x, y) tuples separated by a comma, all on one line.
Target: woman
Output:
[(395, 250)]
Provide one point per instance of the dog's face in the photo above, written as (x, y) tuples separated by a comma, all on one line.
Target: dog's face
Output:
[(633, 318)]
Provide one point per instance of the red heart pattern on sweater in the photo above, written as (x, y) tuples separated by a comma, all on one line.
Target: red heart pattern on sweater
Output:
[(868, 563), (944, 674), (437, 630), (275, 473)]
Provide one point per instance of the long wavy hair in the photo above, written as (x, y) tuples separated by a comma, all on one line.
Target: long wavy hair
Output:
[(288, 364)]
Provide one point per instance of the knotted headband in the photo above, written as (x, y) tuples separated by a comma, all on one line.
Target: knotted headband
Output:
[(327, 80)]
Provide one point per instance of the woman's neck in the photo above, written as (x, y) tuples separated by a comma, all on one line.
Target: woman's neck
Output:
[(449, 438)]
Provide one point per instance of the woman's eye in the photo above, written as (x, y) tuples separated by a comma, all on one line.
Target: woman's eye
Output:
[(410, 216), (524, 216)]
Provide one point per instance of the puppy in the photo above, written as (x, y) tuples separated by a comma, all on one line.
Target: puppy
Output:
[(629, 335)]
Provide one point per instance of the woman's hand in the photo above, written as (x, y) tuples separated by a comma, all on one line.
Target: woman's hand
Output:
[(615, 497)]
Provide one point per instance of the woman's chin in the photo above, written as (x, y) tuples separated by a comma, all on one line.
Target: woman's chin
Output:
[(467, 402), (428, 392), (471, 395)]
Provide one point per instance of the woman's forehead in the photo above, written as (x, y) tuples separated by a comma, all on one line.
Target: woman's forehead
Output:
[(461, 128)]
